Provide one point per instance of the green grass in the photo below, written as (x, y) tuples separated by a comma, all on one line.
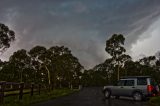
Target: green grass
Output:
[(44, 96), (154, 101), (16, 92)]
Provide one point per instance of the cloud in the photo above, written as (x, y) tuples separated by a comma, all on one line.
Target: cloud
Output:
[(149, 45), (81, 25)]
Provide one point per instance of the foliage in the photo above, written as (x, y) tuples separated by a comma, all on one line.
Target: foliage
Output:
[(107, 72), (6, 37), (58, 67), (114, 47), (55, 66)]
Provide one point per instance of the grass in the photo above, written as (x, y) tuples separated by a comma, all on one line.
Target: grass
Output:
[(16, 92), (154, 101), (44, 96)]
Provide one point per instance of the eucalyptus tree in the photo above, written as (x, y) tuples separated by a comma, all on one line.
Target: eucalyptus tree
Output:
[(149, 61), (100, 74), (132, 68), (6, 37), (8, 72), (105, 69), (150, 66), (87, 77), (77, 73), (40, 64), (58, 64), (158, 64), (21, 61), (114, 47), (74, 70), (123, 60), (66, 67)]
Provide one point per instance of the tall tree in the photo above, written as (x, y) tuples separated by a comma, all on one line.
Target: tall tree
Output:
[(66, 67), (106, 70), (6, 37), (21, 61), (39, 62), (149, 61), (114, 47)]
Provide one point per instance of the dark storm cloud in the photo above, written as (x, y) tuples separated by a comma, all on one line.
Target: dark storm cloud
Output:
[(82, 25)]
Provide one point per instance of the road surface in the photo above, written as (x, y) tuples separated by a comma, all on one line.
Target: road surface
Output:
[(90, 97)]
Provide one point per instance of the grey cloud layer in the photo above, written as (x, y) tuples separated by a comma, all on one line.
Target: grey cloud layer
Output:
[(82, 25)]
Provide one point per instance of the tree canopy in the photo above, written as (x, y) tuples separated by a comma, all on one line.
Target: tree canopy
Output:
[(6, 37), (57, 67)]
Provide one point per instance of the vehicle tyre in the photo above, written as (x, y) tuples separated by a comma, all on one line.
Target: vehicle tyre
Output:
[(107, 94), (137, 96)]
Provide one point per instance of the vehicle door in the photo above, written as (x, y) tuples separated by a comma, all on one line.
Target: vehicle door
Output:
[(116, 90), (128, 87)]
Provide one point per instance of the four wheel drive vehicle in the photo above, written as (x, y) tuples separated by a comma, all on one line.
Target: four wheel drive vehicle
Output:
[(138, 87)]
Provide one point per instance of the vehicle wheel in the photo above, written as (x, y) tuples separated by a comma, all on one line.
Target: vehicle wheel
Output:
[(107, 94), (137, 96)]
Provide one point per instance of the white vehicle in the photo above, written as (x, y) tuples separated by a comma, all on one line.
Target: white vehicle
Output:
[(138, 87)]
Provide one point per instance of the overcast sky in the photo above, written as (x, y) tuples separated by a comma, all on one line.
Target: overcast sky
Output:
[(83, 25)]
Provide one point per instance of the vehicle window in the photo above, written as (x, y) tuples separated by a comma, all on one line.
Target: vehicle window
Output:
[(129, 83), (141, 81), (121, 83)]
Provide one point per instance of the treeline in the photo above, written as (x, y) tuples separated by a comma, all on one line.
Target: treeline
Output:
[(121, 64), (106, 72), (56, 66)]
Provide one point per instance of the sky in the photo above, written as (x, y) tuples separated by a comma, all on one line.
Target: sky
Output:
[(83, 26)]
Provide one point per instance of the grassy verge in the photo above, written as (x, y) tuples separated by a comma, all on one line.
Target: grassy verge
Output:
[(44, 96), (154, 101), (16, 92)]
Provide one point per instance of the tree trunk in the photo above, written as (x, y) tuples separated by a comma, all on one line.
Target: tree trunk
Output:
[(21, 77), (126, 73), (49, 79), (71, 86), (60, 84), (118, 72)]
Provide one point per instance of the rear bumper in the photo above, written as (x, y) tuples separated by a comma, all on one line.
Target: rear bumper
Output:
[(153, 94)]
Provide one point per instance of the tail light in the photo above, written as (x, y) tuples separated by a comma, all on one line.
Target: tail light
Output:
[(150, 88), (153, 94)]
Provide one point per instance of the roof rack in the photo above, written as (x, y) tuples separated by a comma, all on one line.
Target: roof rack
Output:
[(125, 77)]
